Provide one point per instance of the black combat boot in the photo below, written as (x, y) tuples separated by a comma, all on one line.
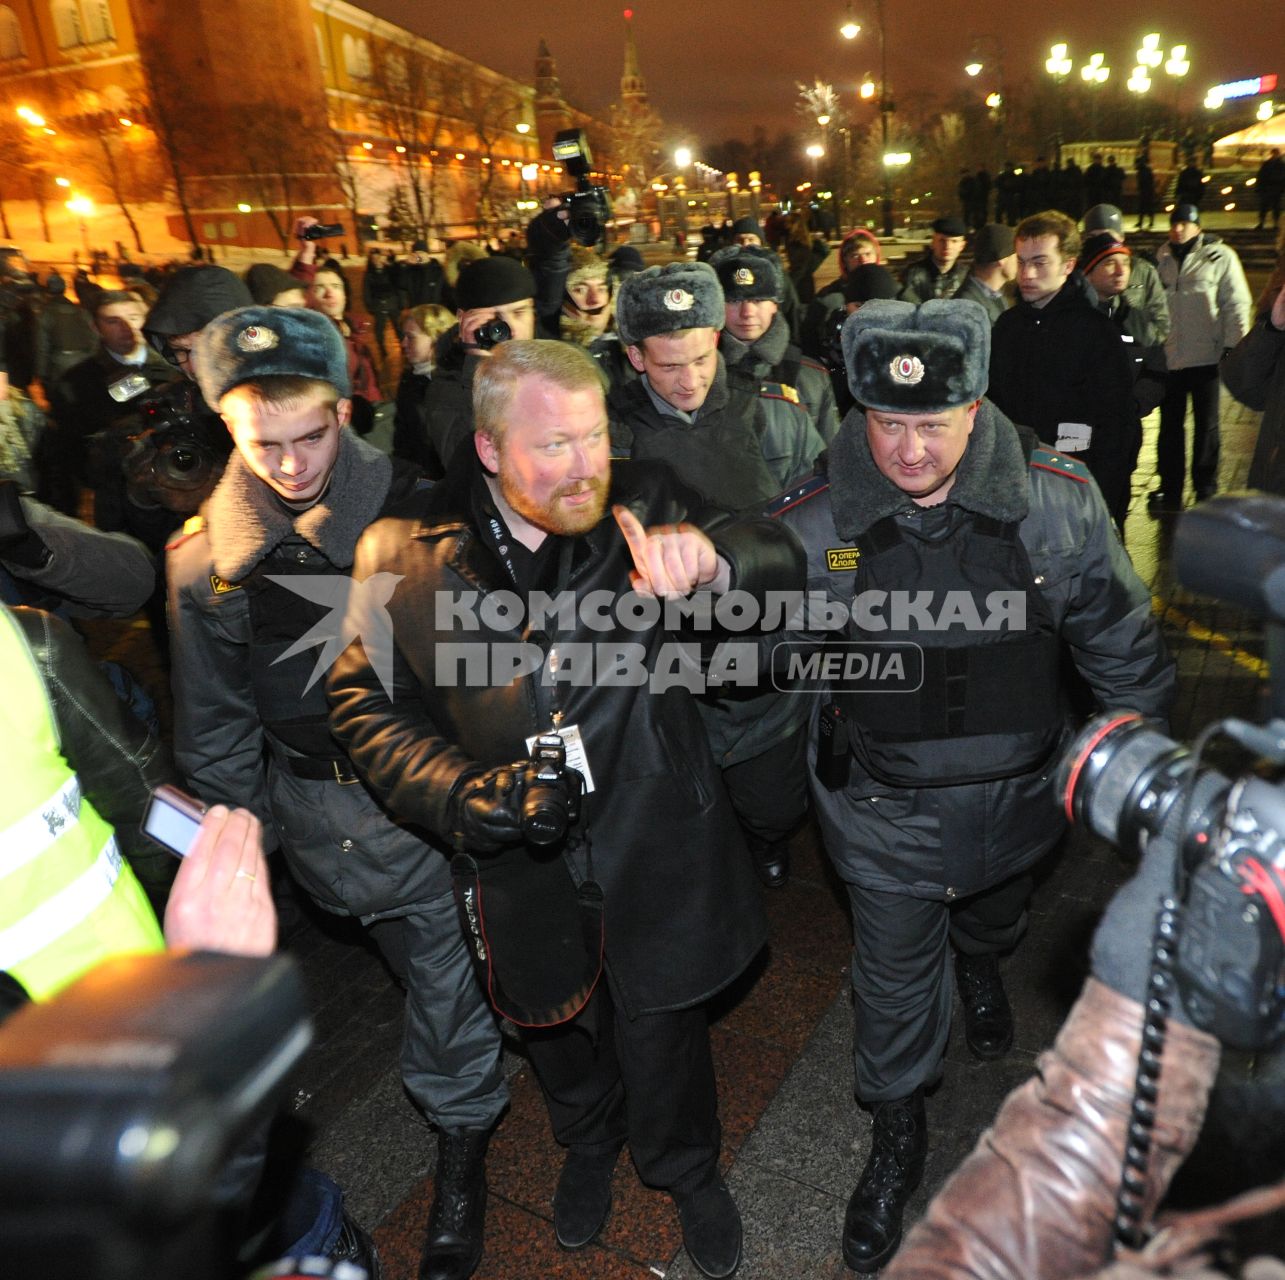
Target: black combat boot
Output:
[(988, 1019), (455, 1222), (898, 1144)]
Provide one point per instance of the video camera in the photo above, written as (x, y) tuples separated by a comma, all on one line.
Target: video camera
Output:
[(170, 453), (589, 205), (122, 1101), (1127, 782)]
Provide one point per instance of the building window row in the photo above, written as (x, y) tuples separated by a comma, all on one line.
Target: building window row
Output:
[(78, 22)]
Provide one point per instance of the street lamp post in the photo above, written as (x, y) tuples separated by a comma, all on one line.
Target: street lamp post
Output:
[(997, 100), (1095, 72), (1058, 65), (849, 31)]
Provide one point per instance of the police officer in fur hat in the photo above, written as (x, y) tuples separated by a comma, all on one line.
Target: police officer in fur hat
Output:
[(960, 558), (738, 441), (756, 343), (267, 560)]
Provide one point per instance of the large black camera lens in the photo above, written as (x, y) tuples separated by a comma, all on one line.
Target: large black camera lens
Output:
[(1121, 777), (544, 813), (182, 463), (491, 334)]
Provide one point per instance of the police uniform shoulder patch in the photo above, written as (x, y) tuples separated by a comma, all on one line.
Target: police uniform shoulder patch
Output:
[(191, 527), (840, 558), (221, 586), (779, 391), (808, 488), (1046, 459)]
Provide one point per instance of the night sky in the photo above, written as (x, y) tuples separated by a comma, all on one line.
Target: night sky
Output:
[(716, 68)]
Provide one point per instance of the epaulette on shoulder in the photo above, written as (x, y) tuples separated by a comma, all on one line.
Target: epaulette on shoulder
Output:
[(806, 362), (191, 527), (809, 488), (779, 391), (1046, 459)]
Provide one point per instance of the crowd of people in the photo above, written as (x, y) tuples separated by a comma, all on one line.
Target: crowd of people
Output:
[(506, 710)]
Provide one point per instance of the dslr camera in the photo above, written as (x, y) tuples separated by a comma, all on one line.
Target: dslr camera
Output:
[(589, 205), (551, 798), (168, 454), (1130, 784)]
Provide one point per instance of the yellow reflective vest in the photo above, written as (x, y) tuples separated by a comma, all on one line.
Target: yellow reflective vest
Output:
[(67, 898)]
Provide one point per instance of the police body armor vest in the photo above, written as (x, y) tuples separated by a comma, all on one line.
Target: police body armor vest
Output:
[(294, 714), (67, 898), (989, 705)]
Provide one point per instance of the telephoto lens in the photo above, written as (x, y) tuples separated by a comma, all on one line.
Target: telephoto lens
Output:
[(1121, 777)]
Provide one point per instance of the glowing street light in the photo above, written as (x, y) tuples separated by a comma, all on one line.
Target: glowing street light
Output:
[(823, 120), (1139, 82), (851, 28), (867, 90), (1150, 55), (816, 150), (242, 207), (62, 182), (683, 157), (974, 68), (994, 101), (1057, 64), (522, 127), (1177, 66), (33, 118), (1095, 71), (896, 159), (1266, 110), (81, 206)]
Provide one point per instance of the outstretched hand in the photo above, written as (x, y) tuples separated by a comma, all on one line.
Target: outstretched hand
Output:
[(671, 560), (221, 899)]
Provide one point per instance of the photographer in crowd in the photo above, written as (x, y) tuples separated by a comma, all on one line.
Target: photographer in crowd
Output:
[(266, 563), (675, 918), (495, 299), (81, 400), (934, 794)]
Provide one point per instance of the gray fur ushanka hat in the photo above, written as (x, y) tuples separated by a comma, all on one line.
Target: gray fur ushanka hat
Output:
[(679, 295), (268, 342), (749, 273), (903, 358)]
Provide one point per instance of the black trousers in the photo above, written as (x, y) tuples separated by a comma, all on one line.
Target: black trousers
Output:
[(1201, 384), (770, 792), (901, 969), (648, 1081)]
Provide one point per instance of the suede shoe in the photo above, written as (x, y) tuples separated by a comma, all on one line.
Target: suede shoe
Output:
[(988, 1020), (457, 1218), (898, 1145), (711, 1228), (582, 1202)]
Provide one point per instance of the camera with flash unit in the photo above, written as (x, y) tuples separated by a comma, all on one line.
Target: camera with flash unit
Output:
[(589, 205)]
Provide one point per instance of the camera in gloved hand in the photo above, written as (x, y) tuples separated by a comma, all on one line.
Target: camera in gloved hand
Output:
[(535, 801), (1125, 780)]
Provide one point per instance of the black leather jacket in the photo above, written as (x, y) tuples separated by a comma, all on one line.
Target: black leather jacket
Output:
[(683, 914), (117, 760)]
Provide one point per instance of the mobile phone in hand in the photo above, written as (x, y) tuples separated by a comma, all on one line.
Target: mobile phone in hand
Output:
[(172, 819)]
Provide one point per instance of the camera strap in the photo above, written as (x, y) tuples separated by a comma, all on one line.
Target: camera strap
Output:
[(536, 938)]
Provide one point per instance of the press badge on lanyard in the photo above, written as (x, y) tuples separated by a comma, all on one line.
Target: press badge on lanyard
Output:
[(572, 738)]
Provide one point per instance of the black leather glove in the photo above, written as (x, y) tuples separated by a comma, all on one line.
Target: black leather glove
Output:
[(20, 544), (485, 808)]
